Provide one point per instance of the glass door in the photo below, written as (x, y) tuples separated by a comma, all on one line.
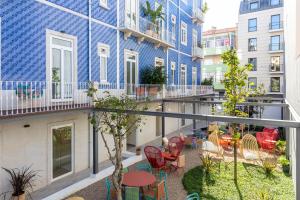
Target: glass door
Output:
[(183, 77), (161, 24), (61, 68), (131, 14), (131, 73)]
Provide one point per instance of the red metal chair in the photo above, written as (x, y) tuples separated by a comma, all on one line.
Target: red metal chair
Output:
[(175, 150), (155, 158), (267, 138)]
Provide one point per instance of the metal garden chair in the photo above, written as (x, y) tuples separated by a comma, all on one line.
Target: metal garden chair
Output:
[(193, 196), (132, 193)]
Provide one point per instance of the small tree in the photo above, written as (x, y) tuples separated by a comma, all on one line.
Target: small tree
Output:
[(236, 92), (117, 125)]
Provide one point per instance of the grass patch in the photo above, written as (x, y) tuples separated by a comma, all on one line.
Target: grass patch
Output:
[(252, 183)]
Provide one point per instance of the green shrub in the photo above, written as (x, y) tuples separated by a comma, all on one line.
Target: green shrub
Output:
[(268, 166), (207, 163), (281, 146), (264, 195)]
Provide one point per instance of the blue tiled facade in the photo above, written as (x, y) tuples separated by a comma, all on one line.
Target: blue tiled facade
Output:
[(23, 38)]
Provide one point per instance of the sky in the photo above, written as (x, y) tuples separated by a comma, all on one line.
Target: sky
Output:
[(221, 13)]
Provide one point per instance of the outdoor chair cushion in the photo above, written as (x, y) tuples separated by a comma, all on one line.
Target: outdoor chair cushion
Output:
[(209, 146), (250, 155)]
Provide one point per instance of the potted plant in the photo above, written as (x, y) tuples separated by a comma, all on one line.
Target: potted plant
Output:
[(154, 15), (154, 77), (21, 181), (285, 164), (281, 146)]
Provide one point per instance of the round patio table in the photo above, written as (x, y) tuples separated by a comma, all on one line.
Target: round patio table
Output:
[(138, 179)]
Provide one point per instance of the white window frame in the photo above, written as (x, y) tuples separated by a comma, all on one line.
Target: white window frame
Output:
[(173, 27), (53, 34), (173, 69), (127, 53), (184, 34), (50, 161), (103, 52), (183, 67), (103, 3), (159, 60), (184, 1)]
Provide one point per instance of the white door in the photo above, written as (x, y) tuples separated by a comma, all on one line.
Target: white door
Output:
[(61, 64), (161, 24), (131, 14), (183, 77), (131, 72)]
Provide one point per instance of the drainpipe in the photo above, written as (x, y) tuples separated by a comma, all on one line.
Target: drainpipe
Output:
[(90, 40)]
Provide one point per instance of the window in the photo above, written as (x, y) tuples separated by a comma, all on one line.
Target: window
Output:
[(173, 68), (194, 76), (184, 1), (103, 3), (62, 52), (103, 52), (275, 64), (275, 2), (252, 82), (173, 31), (253, 5), (252, 44), (183, 75), (252, 25), (275, 43), (275, 84), (183, 33), (275, 22), (131, 16), (253, 62), (62, 153)]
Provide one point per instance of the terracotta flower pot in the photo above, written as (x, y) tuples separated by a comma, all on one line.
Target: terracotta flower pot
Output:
[(140, 91)]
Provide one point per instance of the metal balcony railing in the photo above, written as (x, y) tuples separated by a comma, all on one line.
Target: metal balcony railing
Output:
[(276, 46), (197, 52), (25, 97), (144, 29), (198, 16), (276, 26)]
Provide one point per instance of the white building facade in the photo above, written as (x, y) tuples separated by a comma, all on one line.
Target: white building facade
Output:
[(261, 43)]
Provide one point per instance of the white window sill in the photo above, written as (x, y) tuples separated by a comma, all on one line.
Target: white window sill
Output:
[(104, 82), (104, 6)]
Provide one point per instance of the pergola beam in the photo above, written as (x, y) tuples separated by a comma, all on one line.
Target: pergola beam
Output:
[(211, 118)]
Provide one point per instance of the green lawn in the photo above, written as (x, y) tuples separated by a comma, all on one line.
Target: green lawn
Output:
[(252, 181)]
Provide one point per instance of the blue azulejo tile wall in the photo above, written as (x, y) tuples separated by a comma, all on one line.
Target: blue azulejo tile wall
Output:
[(23, 38)]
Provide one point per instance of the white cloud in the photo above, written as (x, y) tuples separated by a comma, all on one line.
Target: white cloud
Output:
[(222, 13)]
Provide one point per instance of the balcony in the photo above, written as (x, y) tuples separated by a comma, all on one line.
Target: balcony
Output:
[(198, 17), (215, 50), (30, 97), (276, 47), (276, 69), (145, 30), (274, 27), (197, 53), (248, 6)]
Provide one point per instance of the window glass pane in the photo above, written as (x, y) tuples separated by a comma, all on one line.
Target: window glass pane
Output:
[(275, 84), (275, 43), (254, 6), (67, 74), (62, 150), (252, 82), (252, 25), (275, 63), (275, 22), (253, 61), (103, 68), (275, 2), (60, 42), (252, 44), (56, 73)]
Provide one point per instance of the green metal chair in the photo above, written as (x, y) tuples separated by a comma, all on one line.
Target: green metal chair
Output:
[(193, 196), (163, 177), (108, 186), (132, 193), (144, 167), (125, 170)]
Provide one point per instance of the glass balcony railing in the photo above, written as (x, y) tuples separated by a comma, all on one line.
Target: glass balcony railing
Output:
[(215, 50), (247, 6), (198, 16), (197, 52), (275, 26), (274, 47)]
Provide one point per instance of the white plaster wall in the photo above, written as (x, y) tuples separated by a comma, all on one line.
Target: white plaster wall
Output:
[(262, 54), (30, 146)]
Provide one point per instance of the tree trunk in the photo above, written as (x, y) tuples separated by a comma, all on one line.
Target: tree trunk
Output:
[(118, 174), (235, 160)]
